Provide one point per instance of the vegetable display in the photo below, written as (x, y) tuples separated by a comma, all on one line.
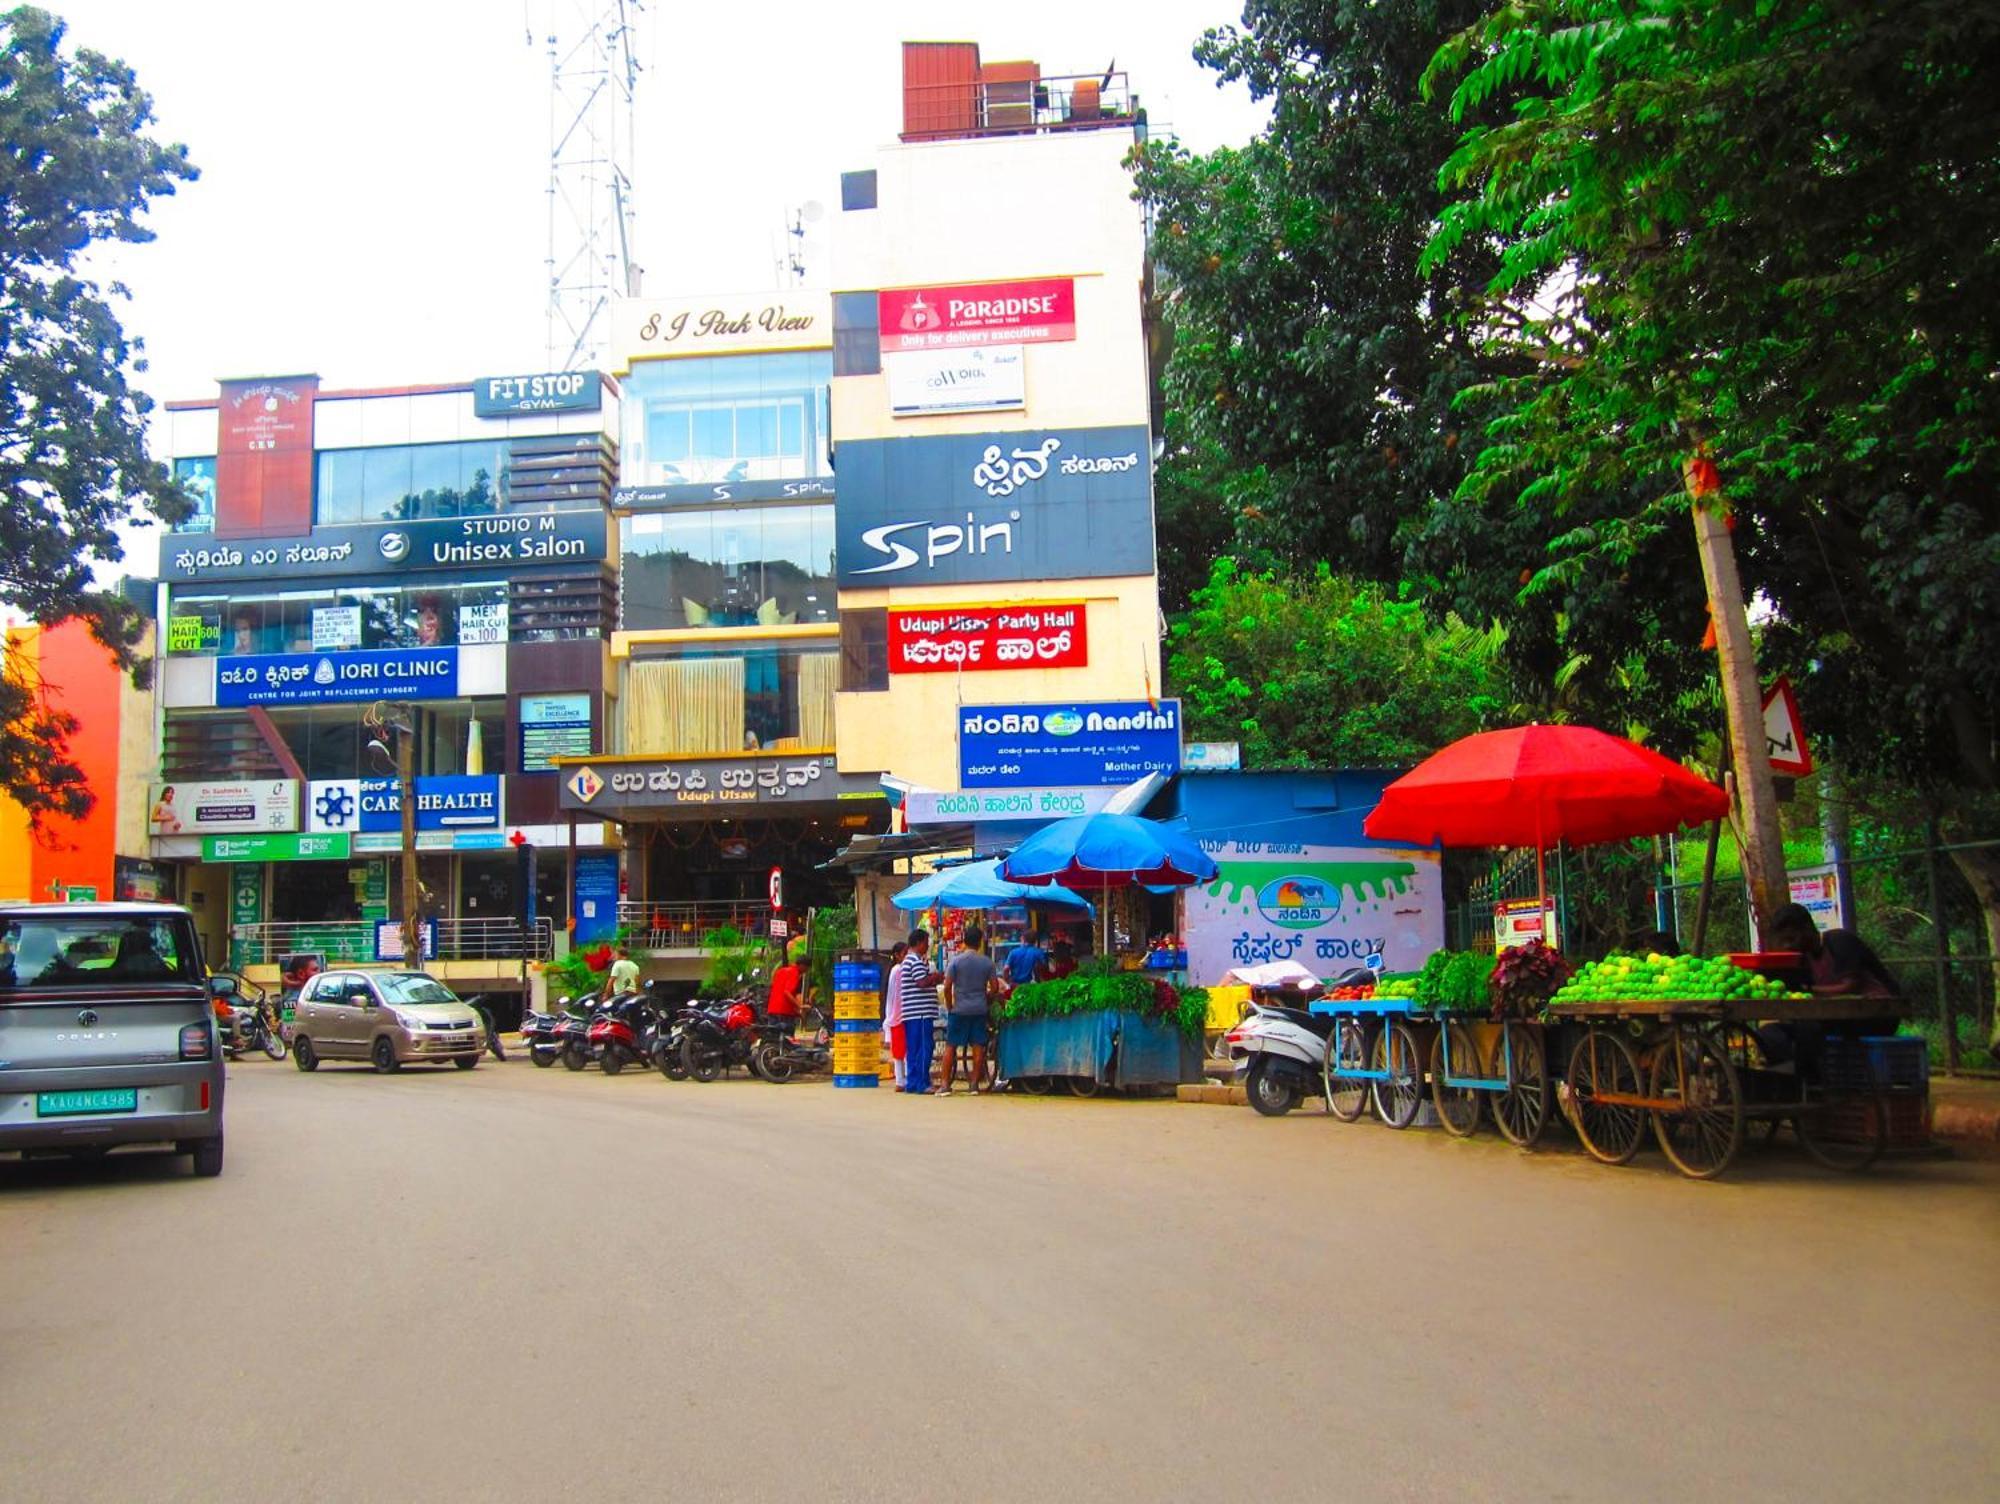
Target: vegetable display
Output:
[(1656, 977), (1135, 991), (1525, 978)]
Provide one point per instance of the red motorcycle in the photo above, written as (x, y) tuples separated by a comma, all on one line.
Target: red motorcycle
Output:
[(621, 1032), (715, 1036)]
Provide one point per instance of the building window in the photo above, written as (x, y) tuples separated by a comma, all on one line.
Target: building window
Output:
[(197, 478), (746, 566), (864, 649), (711, 420), (857, 334), (329, 741), (336, 619), (718, 701), (407, 482), (857, 189)]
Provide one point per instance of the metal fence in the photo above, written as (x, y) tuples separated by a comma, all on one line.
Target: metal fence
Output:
[(680, 926), (352, 941)]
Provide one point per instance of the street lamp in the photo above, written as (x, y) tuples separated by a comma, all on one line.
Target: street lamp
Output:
[(388, 720)]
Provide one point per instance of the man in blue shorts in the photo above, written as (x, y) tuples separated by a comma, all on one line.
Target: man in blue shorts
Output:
[(968, 980)]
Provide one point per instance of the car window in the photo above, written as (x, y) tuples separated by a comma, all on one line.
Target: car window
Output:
[(322, 989), (358, 992), (56, 950), (414, 987)]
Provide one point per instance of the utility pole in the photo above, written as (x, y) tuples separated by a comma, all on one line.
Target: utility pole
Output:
[(1762, 839), (400, 721)]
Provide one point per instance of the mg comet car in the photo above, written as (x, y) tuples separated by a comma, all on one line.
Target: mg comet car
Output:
[(107, 1035)]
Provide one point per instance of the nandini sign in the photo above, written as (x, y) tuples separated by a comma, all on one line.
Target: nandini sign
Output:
[(317, 678), (1075, 744)]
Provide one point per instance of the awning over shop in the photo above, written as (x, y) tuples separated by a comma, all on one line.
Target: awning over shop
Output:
[(881, 853)]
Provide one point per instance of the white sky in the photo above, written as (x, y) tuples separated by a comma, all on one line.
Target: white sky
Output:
[(372, 204)]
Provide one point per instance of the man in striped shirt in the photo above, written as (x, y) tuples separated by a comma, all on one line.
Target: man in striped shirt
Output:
[(919, 1003)]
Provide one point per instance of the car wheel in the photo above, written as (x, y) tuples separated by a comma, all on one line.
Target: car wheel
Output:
[(304, 1056), (207, 1154), (384, 1055), (465, 1062)]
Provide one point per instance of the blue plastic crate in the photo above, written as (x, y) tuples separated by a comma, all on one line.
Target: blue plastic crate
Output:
[(1900, 1061)]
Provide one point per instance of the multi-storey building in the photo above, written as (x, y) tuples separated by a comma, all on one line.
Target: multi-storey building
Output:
[(445, 549)]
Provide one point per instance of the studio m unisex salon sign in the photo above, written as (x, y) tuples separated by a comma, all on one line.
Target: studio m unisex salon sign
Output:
[(1038, 504), (494, 539)]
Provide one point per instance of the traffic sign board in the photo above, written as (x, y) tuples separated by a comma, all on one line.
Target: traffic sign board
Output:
[(777, 886), (1785, 733)]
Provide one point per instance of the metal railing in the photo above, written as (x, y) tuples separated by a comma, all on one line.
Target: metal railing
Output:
[(352, 941), (999, 107), (680, 926)]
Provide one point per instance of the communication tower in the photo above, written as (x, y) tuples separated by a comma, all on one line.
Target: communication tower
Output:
[(594, 68)]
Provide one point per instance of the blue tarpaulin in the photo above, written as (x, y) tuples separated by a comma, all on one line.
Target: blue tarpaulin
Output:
[(1148, 1052)]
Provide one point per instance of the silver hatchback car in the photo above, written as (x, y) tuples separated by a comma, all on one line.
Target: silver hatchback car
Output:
[(107, 1031), (390, 1018)]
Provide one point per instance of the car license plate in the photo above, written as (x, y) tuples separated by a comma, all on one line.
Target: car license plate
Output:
[(76, 1104)]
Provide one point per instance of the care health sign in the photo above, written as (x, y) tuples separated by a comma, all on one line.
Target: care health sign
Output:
[(321, 678), (1074, 744), (1329, 908), (375, 805)]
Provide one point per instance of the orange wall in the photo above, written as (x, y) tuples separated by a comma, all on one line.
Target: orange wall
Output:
[(80, 678)]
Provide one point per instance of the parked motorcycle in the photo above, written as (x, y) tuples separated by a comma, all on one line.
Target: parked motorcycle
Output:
[(542, 1034), (573, 1040), (716, 1036), (788, 1047), (621, 1032), (254, 1026), (1279, 1049)]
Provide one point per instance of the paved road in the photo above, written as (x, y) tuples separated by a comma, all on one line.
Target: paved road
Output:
[(526, 1285)]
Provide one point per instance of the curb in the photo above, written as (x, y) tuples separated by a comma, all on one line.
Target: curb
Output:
[(1965, 1122), (1213, 1093)]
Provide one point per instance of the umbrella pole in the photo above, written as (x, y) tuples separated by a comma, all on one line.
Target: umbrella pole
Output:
[(1542, 893)]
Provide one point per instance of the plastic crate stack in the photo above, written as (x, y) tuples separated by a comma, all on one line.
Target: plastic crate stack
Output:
[(1896, 1065), (857, 1019)]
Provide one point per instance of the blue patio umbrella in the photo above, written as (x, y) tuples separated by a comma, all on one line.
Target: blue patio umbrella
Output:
[(1109, 851), (979, 885)]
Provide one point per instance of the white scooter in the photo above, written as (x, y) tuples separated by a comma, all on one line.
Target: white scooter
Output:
[(1279, 1049)]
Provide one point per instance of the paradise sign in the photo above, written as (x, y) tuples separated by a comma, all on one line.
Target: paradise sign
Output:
[(1329, 908)]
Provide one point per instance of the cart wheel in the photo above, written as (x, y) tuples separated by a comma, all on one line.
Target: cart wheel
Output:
[(1457, 1106), (1347, 1050), (1034, 1086), (1399, 1094), (1521, 1110), (1703, 1134), (1847, 1133), (1082, 1086), (1604, 1061)]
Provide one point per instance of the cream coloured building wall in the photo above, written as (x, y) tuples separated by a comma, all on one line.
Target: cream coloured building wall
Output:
[(911, 730), (1004, 209)]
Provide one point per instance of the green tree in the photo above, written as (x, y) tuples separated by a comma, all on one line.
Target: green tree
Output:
[(1317, 368), (1765, 232), (76, 168), (1319, 670)]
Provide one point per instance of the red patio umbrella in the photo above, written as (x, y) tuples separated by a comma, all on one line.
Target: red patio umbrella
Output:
[(1534, 785)]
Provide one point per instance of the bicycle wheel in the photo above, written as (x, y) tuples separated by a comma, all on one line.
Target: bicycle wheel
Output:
[(1704, 1132), (1347, 1050), (1604, 1061), (1845, 1133), (1521, 1111), (1457, 1106), (1400, 1093)]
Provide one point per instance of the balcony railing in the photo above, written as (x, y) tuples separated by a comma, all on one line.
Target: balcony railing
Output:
[(349, 942), (991, 106), (680, 926)]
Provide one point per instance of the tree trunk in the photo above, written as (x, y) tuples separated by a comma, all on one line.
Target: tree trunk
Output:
[(1981, 871), (1743, 701)]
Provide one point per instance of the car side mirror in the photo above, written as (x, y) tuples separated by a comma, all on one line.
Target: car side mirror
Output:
[(222, 987)]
